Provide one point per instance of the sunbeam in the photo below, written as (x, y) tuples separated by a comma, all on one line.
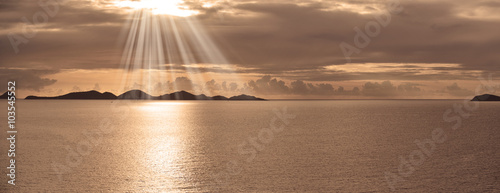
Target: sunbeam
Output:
[(160, 7), (158, 47)]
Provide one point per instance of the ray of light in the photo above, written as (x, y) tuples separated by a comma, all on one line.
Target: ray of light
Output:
[(157, 46), (168, 7)]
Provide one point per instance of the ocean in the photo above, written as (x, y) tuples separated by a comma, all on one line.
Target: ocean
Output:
[(254, 146)]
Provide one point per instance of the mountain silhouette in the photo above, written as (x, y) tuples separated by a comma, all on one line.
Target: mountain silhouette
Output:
[(135, 95), (244, 97), (4, 96), (486, 97), (141, 95), (91, 95), (181, 95), (218, 97)]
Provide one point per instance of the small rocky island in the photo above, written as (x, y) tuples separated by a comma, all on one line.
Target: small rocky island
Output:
[(486, 97), (141, 95)]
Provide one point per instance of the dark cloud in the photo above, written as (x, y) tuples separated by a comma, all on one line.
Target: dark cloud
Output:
[(77, 36), (277, 38), (28, 79), (354, 92), (301, 88), (269, 86), (182, 83)]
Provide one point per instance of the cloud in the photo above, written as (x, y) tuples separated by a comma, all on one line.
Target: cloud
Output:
[(409, 88), (385, 88), (213, 86), (76, 89), (27, 78), (456, 90), (97, 87), (232, 87), (301, 88), (279, 36), (272, 87), (182, 83), (78, 36), (277, 40), (268, 86)]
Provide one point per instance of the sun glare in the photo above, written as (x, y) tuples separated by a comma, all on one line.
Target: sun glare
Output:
[(159, 34), (159, 7)]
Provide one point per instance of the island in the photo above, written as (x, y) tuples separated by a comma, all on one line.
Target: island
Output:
[(80, 95), (141, 95), (4, 96), (486, 97)]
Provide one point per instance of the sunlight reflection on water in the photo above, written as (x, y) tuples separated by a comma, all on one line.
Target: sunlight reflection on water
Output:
[(331, 146)]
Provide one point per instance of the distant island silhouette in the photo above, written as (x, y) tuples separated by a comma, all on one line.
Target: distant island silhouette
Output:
[(141, 95), (80, 95), (4, 96), (486, 97)]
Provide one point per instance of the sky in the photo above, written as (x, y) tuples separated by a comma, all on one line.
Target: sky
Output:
[(276, 49)]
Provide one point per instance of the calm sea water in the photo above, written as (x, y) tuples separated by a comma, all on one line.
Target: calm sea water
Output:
[(220, 146)]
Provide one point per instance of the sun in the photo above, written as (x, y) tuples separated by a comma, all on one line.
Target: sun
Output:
[(159, 7)]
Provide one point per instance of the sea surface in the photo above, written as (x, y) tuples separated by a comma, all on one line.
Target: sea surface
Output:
[(254, 146)]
